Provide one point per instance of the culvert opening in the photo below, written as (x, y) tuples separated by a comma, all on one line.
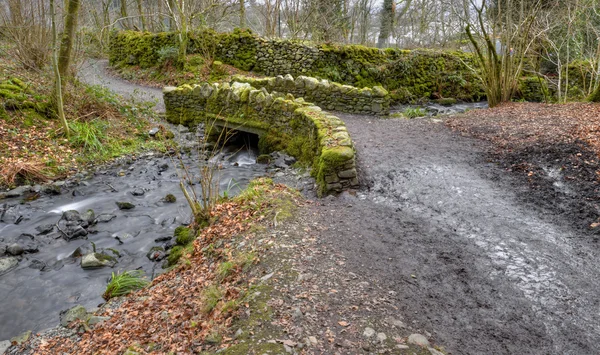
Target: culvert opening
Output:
[(240, 148)]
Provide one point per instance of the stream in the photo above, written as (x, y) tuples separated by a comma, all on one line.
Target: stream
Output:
[(47, 278)]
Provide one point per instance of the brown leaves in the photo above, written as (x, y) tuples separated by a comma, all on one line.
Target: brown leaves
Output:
[(169, 314)]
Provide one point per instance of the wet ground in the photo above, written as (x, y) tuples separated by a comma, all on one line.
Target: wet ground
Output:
[(469, 262)]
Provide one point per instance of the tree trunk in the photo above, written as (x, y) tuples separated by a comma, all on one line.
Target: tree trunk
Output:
[(172, 24), (124, 15), (387, 22), (141, 13), (66, 45), (58, 97), (242, 14)]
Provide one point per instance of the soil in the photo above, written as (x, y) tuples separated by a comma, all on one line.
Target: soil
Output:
[(445, 229), (440, 240)]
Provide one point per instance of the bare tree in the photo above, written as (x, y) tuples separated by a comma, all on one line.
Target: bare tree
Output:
[(501, 36)]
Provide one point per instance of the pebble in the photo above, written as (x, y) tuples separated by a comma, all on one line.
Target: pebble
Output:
[(312, 340), (297, 313), (153, 131), (125, 205), (418, 339), (381, 337), (138, 192), (369, 332), (398, 323), (266, 277), (402, 347)]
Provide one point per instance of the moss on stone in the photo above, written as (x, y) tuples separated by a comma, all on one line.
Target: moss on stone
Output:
[(174, 255), (183, 235)]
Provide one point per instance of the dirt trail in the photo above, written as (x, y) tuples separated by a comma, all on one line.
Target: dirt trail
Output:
[(443, 231), (94, 72), (443, 228)]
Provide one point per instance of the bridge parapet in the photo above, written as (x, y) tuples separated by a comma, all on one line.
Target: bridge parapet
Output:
[(316, 138), (327, 94)]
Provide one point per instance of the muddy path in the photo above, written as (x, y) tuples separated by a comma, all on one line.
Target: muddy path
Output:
[(96, 72), (443, 228)]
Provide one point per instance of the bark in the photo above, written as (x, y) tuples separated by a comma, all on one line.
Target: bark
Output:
[(58, 97), (242, 14), (141, 13), (388, 13), (68, 37)]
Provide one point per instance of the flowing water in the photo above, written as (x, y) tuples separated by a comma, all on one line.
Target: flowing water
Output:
[(31, 299)]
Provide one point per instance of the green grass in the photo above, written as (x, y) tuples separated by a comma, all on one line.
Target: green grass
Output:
[(211, 297), (414, 112), (125, 283), (225, 269), (89, 135)]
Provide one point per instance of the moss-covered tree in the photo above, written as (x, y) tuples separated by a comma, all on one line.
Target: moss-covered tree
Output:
[(68, 38), (388, 13)]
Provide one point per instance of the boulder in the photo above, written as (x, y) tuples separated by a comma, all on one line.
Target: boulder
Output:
[(418, 339), (76, 313), (4, 345), (95, 320), (105, 218), (156, 253), (14, 249), (44, 229), (17, 192), (125, 205), (89, 217), (71, 229), (97, 260), (37, 265), (21, 338), (7, 264)]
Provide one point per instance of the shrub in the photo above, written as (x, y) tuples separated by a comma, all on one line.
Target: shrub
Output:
[(167, 55), (124, 283)]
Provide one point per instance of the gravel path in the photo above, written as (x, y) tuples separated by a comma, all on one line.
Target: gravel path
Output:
[(95, 72)]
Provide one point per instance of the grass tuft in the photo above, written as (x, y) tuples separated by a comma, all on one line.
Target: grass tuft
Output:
[(124, 283), (211, 297), (414, 112), (13, 172)]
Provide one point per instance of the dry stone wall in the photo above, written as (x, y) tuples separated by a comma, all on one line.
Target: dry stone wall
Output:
[(314, 137), (328, 95), (409, 75)]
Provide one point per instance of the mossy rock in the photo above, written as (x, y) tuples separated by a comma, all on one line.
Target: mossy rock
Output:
[(183, 235), (174, 255), (263, 159)]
